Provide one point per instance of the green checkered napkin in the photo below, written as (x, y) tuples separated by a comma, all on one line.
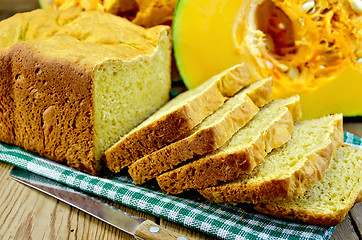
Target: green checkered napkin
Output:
[(221, 221)]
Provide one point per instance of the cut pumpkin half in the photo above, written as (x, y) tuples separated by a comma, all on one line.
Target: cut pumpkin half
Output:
[(310, 48)]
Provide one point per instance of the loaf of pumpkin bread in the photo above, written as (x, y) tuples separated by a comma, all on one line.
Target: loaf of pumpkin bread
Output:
[(289, 170), (176, 118), (328, 202), (270, 128), (72, 82), (209, 135)]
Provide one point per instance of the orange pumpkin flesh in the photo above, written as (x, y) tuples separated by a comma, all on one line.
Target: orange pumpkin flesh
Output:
[(311, 48)]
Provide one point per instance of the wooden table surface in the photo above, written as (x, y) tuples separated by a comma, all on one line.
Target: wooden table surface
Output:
[(28, 214)]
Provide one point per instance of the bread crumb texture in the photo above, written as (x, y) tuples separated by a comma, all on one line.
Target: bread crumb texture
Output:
[(177, 117), (207, 136), (289, 170), (268, 129), (73, 82), (328, 202)]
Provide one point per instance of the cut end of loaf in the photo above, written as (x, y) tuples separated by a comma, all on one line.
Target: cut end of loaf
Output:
[(176, 118), (126, 93), (209, 135)]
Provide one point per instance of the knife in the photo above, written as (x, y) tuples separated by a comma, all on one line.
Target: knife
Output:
[(137, 227)]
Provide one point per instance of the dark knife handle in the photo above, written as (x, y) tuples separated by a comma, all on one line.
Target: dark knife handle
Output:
[(151, 231)]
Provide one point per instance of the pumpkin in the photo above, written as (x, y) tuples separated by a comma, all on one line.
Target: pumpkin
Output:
[(147, 13), (310, 48)]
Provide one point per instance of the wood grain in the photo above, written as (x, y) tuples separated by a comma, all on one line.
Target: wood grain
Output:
[(345, 230), (144, 230), (186, 231), (356, 214), (18, 5), (28, 214), (355, 128)]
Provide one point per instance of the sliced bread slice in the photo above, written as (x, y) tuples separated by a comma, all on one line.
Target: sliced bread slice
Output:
[(328, 202), (209, 135), (287, 171), (270, 128), (176, 118)]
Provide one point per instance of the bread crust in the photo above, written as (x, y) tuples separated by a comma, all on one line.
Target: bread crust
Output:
[(223, 167), (296, 183), (203, 141), (6, 100), (46, 113), (359, 198), (312, 217), (177, 123), (48, 77), (261, 95)]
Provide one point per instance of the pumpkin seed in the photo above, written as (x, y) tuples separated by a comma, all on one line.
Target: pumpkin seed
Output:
[(356, 5), (283, 67), (282, 26), (293, 73), (269, 64), (308, 5)]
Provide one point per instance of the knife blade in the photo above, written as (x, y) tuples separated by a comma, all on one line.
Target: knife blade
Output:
[(137, 227)]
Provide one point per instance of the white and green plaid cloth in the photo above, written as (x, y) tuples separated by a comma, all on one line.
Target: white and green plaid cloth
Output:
[(220, 221)]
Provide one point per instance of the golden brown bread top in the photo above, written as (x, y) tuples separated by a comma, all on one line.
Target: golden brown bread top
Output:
[(88, 37), (146, 13)]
